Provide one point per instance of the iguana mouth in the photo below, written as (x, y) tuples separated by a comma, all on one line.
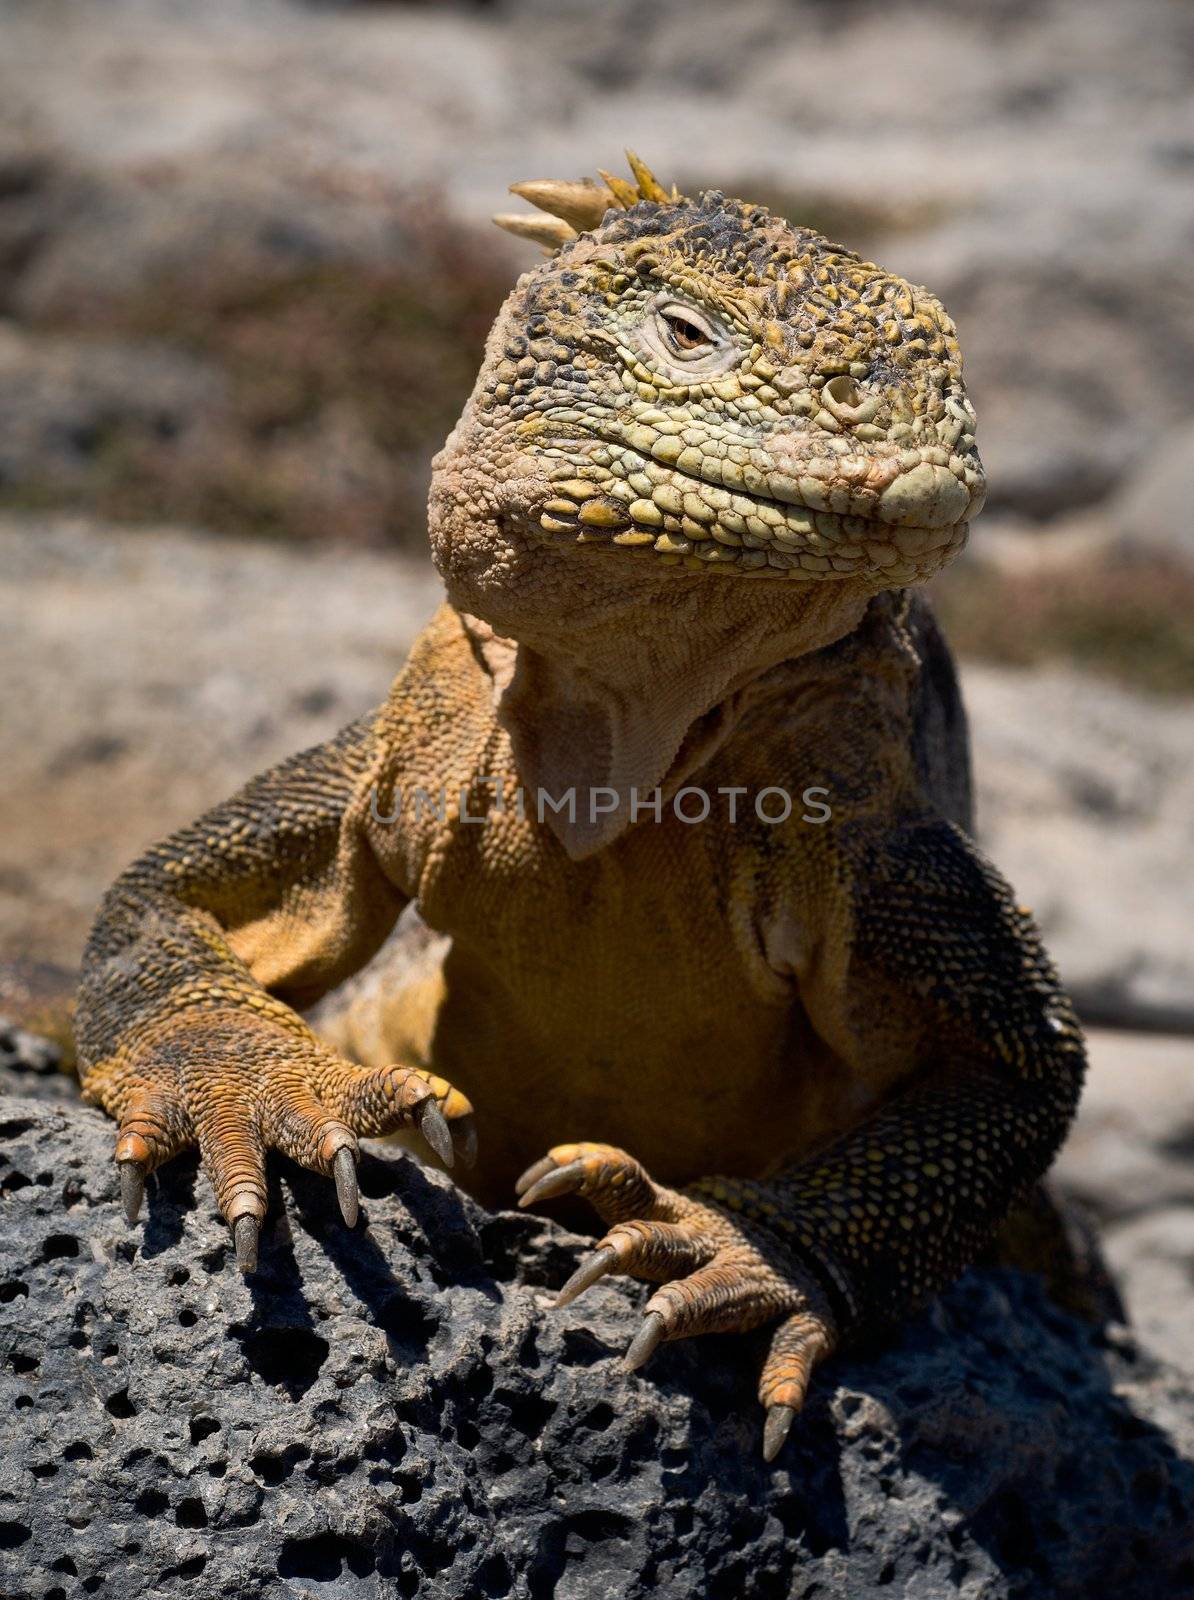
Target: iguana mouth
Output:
[(648, 506)]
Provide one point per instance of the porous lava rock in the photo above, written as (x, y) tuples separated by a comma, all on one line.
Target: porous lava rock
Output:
[(397, 1411)]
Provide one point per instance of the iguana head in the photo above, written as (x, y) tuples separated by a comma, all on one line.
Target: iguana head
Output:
[(697, 386)]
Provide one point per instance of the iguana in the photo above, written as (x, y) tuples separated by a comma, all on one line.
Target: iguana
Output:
[(676, 782)]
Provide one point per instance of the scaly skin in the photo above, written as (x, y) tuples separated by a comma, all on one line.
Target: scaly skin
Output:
[(705, 454)]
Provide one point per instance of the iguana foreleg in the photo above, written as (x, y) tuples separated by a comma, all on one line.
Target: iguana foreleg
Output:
[(187, 1027)]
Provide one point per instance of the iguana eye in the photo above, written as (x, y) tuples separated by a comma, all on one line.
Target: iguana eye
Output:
[(683, 343), (684, 332)]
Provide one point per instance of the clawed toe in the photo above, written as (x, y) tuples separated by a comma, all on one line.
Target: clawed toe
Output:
[(312, 1108), (533, 1173), (590, 1270), (776, 1429), (154, 1127), (246, 1230), (344, 1170), (132, 1188), (798, 1345), (433, 1125), (612, 1181), (382, 1100), (555, 1181), (450, 1132), (716, 1276), (645, 1342)]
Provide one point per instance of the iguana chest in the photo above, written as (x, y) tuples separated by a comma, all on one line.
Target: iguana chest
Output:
[(626, 997)]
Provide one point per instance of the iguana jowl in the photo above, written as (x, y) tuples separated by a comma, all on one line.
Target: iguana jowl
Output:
[(706, 454)]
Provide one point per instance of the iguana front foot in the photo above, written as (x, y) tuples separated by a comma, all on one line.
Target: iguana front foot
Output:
[(239, 1086), (717, 1275)]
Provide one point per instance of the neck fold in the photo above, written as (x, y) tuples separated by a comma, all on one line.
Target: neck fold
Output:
[(606, 713)]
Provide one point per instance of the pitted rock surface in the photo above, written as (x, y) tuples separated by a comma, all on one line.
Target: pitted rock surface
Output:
[(397, 1411)]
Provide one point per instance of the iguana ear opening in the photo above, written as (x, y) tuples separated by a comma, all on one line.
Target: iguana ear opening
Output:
[(577, 207)]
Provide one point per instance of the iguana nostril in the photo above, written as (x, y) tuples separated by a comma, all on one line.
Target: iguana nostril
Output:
[(843, 391), (843, 399)]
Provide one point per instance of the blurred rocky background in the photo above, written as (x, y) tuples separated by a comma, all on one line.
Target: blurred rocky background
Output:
[(245, 275)]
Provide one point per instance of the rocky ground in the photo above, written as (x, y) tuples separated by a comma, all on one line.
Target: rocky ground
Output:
[(1128, 1160), (399, 1412), (147, 674)]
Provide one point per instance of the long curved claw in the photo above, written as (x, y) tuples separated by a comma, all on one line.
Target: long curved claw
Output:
[(132, 1188), (344, 1170), (533, 1173), (645, 1342), (775, 1429), (615, 1183), (245, 1233), (464, 1137), (433, 1125), (590, 1270), (558, 1180)]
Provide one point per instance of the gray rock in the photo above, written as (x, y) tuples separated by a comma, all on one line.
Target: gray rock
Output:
[(145, 674), (1153, 1254), (1127, 1161), (1129, 1151), (397, 1412), (1086, 801), (31, 1067), (68, 230), (1043, 457), (1155, 511), (25, 1052), (63, 402)]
